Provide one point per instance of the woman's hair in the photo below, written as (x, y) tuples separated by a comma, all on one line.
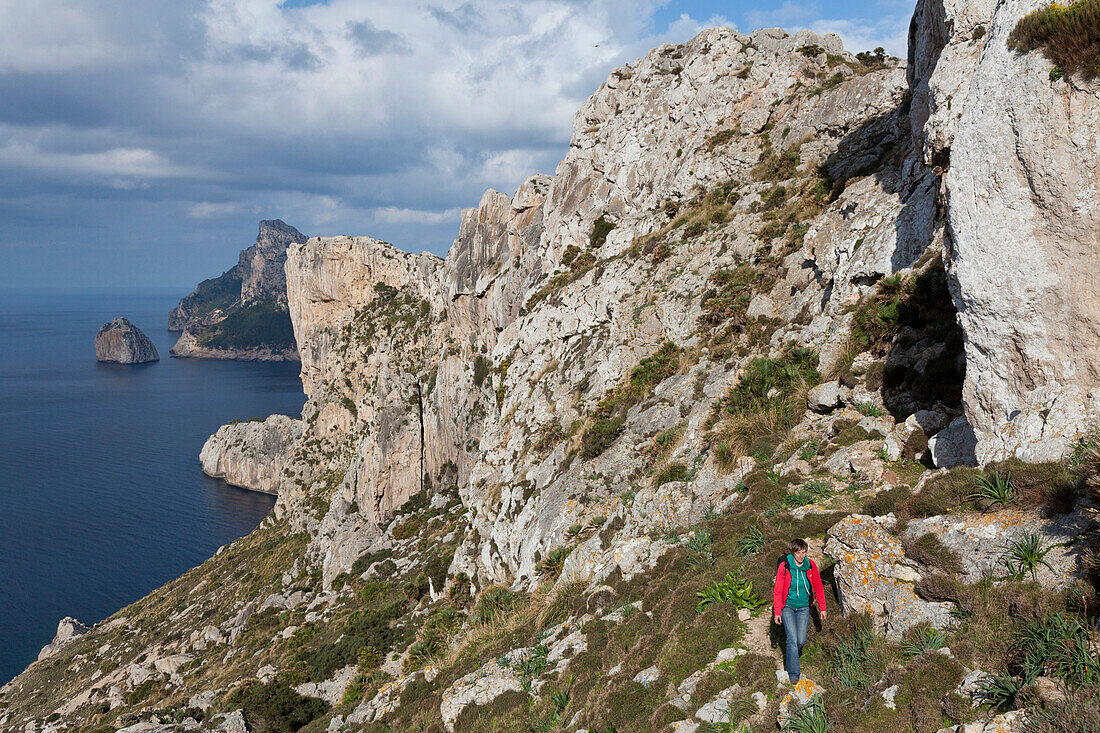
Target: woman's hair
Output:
[(796, 544)]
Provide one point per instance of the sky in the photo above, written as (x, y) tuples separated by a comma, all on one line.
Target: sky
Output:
[(142, 141)]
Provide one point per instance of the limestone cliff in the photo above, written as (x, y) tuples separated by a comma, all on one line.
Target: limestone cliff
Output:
[(540, 483), (251, 454), (242, 313), (1022, 154), (122, 342)]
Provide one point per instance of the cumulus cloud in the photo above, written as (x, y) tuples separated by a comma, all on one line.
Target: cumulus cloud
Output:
[(207, 209), (352, 116), (396, 215)]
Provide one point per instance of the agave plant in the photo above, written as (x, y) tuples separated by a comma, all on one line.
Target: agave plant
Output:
[(1025, 555), (752, 543), (994, 489), (926, 639), (1000, 691), (810, 718)]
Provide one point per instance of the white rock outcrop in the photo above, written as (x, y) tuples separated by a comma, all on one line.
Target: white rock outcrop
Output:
[(1022, 160), (68, 629), (251, 454)]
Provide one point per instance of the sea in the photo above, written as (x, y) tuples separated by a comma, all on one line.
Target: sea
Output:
[(102, 498)]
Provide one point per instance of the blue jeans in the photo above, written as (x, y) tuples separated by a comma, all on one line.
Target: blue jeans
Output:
[(796, 622)]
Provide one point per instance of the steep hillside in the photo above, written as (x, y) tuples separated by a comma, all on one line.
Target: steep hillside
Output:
[(242, 313), (542, 483)]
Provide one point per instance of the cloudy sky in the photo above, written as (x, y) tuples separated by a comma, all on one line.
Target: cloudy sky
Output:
[(142, 140)]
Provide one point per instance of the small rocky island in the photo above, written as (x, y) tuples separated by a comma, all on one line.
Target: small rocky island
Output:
[(122, 342)]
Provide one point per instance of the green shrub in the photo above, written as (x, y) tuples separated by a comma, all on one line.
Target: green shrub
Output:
[(885, 502), (929, 550), (408, 528), (943, 494), (752, 543), (425, 650), (923, 639), (728, 297), (600, 434), (718, 139), (494, 604), (1052, 487), (1025, 555), (610, 414), (601, 227), (671, 472), (1079, 712), (808, 718), (275, 708), (796, 368), (365, 628), (551, 565), (1068, 34), (855, 661), (482, 367), (807, 494), (992, 489), (258, 324), (1057, 645)]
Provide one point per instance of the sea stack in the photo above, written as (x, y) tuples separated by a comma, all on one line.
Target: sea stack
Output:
[(122, 342)]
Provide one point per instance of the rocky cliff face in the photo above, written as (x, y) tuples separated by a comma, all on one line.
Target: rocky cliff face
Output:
[(251, 454), (731, 316), (1023, 165), (413, 364), (122, 342), (242, 314)]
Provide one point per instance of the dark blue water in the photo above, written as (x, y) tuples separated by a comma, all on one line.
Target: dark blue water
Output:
[(101, 495)]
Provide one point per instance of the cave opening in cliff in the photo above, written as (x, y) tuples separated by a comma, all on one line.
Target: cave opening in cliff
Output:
[(912, 322)]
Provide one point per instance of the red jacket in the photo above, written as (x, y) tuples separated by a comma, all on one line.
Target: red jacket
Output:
[(783, 586)]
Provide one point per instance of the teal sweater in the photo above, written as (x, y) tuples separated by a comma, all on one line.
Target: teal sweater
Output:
[(799, 595)]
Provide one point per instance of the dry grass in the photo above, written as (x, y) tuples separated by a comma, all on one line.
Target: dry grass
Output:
[(1068, 34), (568, 600), (769, 422)]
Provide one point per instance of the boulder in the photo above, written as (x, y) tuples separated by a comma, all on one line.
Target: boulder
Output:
[(480, 687), (983, 542), (122, 342), (802, 693), (828, 396), (67, 630), (874, 577)]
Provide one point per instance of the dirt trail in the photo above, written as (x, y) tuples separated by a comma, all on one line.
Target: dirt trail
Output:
[(758, 633)]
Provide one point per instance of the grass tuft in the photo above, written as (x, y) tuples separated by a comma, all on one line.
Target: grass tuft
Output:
[(1068, 34)]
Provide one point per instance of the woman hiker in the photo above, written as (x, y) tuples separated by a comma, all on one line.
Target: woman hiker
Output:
[(797, 584)]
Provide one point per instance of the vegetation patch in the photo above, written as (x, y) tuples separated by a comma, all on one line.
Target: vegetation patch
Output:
[(258, 324), (768, 400), (275, 708), (1067, 33), (691, 219), (215, 294), (610, 414), (576, 262), (601, 227), (921, 302)]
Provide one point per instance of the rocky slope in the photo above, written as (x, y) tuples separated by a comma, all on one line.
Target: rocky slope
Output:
[(242, 313), (538, 482), (124, 343)]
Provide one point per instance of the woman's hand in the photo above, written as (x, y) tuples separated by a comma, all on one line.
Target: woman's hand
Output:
[(779, 619), (824, 614)]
